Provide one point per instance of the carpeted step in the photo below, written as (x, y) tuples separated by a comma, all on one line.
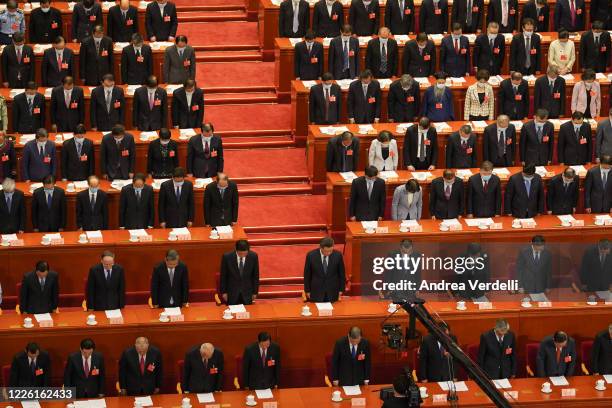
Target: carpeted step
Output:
[(239, 142), (211, 16), (286, 238), (249, 120), (236, 75), (221, 4), (284, 211), (282, 261), (213, 98), (267, 162), (280, 291), (224, 35), (257, 189), (228, 56)]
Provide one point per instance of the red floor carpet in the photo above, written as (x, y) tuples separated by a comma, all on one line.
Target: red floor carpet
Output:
[(235, 74), (249, 117), (266, 162), (282, 210), (220, 34), (233, 3), (282, 261)]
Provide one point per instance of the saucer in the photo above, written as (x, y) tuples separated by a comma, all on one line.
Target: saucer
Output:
[(28, 326), (601, 389), (307, 314), (404, 229), (211, 237), (546, 392), (134, 240), (92, 323), (370, 231), (82, 242), (483, 227), (45, 243), (251, 404), (228, 318), (337, 400), (526, 305), (424, 396), (461, 308), (164, 321), (5, 244), (591, 303), (172, 239), (517, 226)]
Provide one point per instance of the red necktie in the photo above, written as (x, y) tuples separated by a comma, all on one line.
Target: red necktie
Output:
[(573, 12), (142, 362), (456, 46), (59, 63), (447, 193), (86, 368), (263, 358), (486, 184), (19, 56), (558, 354)]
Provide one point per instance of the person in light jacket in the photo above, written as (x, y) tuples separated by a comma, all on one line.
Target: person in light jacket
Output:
[(383, 152), (562, 53), (586, 96), (479, 98), (407, 201)]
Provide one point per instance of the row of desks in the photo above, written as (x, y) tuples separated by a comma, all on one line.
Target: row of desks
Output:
[(158, 61), (269, 16), (529, 395), (317, 147), (285, 54), (300, 366), (300, 103), (338, 193)]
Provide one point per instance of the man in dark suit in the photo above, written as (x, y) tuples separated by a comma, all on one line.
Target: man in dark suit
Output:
[(324, 278), (85, 371), (136, 62), (434, 359), (57, 63), (324, 101), (433, 17), (39, 290), (308, 60), (382, 55), (574, 141), (364, 99), (67, 106), (569, 14), (170, 282), (48, 207), (203, 369), (221, 202), (343, 55), (106, 284), (30, 368), (188, 106), (17, 63), (534, 267), (368, 197), (92, 207), (327, 18), (122, 21), (364, 18), (537, 138), (514, 97), (539, 12), (469, 14), (595, 48), (506, 14), (29, 110), (499, 142), (117, 154), (562, 193), (293, 18), (399, 16), (78, 158), (525, 50), (38, 157), (161, 21), (601, 362), (419, 58), (497, 351), (239, 280), (446, 196), (484, 197), (549, 93), (524, 194), (45, 24), (556, 356), (12, 208), (136, 204), (351, 360), (150, 106), (175, 204), (455, 53), (461, 149), (140, 368), (107, 105), (421, 146), (343, 153), (597, 187), (261, 363), (596, 267), (404, 100), (96, 57), (205, 153), (489, 50)]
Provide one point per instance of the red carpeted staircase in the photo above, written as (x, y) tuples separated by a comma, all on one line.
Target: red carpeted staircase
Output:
[(282, 217)]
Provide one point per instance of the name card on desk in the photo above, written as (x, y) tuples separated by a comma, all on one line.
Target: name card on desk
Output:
[(177, 318), (568, 392), (485, 305), (325, 309), (415, 228), (358, 402), (114, 316), (511, 395), (382, 230), (577, 223), (544, 304), (243, 315), (496, 226), (270, 404), (46, 323), (212, 406), (16, 243), (57, 241), (183, 237), (145, 238), (439, 398), (455, 227), (528, 224)]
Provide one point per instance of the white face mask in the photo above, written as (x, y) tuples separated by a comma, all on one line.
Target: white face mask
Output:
[(164, 142), (45, 9), (440, 86), (528, 33), (345, 37)]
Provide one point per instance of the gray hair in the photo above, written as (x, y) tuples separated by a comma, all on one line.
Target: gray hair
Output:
[(355, 333), (552, 70), (502, 324), (172, 255), (406, 81), (8, 185)]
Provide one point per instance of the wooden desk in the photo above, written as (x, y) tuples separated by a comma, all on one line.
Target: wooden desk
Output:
[(300, 366), (566, 244), (299, 102), (113, 204), (285, 52), (317, 148), (338, 193), (528, 389), (73, 260), (67, 18), (268, 20)]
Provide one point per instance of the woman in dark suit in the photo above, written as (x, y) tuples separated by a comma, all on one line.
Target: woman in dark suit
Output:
[(162, 158)]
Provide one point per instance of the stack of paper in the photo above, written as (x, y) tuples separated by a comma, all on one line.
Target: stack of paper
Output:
[(463, 173), (475, 222), (264, 394), (350, 390), (479, 124), (113, 314), (26, 138), (559, 381), (608, 378), (67, 136), (579, 169), (423, 81), (481, 299), (436, 37), (603, 217), (224, 229), (170, 88), (384, 82), (599, 75), (389, 174), (495, 80), (501, 171), (295, 41), (119, 46), (457, 80), (143, 401), (421, 175), (15, 91), (30, 404), (527, 221), (309, 84), (137, 233), (181, 231), (40, 48), (344, 83), (451, 221), (148, 135), (348, 176), (568, 77), (81, 185), (365, 129), (131, 89), (9, 237), (187, 132), (507, 37), (459, 385), (529, 78), (107, 4), (71, 5), (94, 403), (333, 130), (94, 234), (441, 126), (119, 184), (538, 297), (51, 237), (324, 306), (158, 182), (502, 384), (402, 127), (605, 295), (541, 171), (471, 38), (369, 224), (401, 38), (327, 41), (364, 39), (43, 317), (237, 308), (34, 186), (172, 311), (517, 124), (202, 182), (206, 398), (566, 218), (409, 223)]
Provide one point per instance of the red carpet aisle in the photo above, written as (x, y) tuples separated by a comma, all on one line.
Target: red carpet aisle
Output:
[(282, 217)]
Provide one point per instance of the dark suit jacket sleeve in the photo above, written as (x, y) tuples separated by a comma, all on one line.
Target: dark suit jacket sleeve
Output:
[(132, 149), (186, 372), (378, 96), (255, 276), (223, 276), (461, 199), (571, 345), (151, 217), (235, 200), (307, 274), (103, 154), (190, 206), (596, 351), (104, 213), (62, 222), (121, 288), (498, 201), (335, 363), (221, 367), (185, 285), (508, 197), (101, 376), (55, 293), (541, 198), (154, 287), (350, 102), (123, 367), (220, 159), (246, 367), (368, 361), (91, 288), (158, 371), (382, 201), (341, 275), (353, 198), (513, 356), (68, 374), (541, 362)]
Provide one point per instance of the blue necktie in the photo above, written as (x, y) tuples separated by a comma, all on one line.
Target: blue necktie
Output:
[(353, 351), (527, 186), (8, 202), (49, 199), (346, 56), (178, 193)]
